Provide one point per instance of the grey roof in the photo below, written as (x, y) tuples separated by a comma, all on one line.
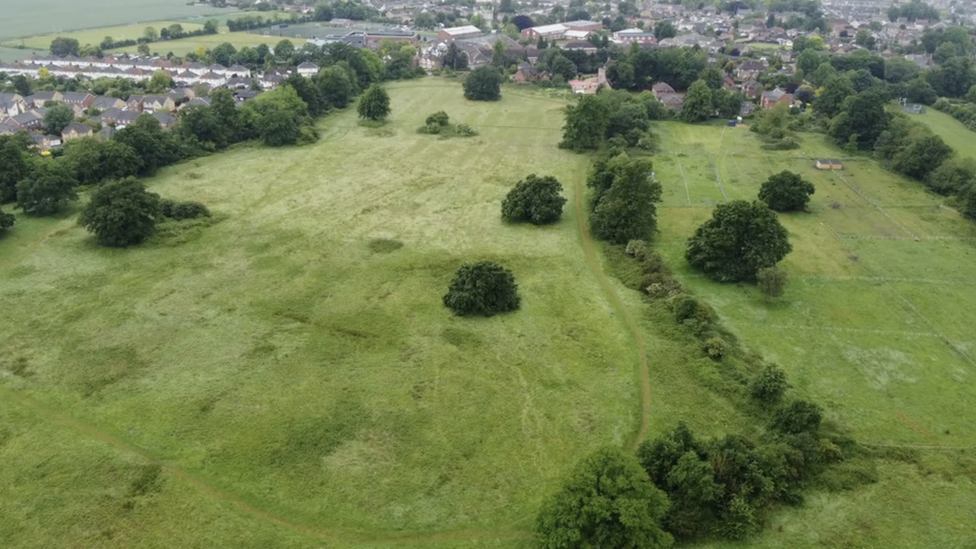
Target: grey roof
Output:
[(77, 127), (105, 102)]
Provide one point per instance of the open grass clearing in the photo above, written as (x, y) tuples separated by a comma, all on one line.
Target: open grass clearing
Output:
[(290, 359), (183, 46), (952, 131), (95, 36)]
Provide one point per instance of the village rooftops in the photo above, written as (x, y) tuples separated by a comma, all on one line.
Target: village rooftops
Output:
[(458, 31)]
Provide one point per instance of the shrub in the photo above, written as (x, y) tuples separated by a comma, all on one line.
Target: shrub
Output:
[(439, 118), (738, 521), (716, 348), (483, 289), (6, 220), (798, 417), (534, 199), (465, 130), (374, 104), (771, 281), (769, 386), (432, 128), (182, 210), (636, 248), (121, 213)]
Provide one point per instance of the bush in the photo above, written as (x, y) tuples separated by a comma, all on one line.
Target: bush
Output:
[(769, 386), (6, 220), (636, 248), (738, 521), (432, 128), (535, 199), (716, 348), (121, 213), (439, 118), (483, 289), (182, 210), (771, 281), (465, 130), (798, 417), (374, 104)]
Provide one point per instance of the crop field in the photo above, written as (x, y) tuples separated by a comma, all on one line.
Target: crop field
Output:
[(41, 17), (875, 324), (288, 376), (183, 46), (95, 36), (952, 131)]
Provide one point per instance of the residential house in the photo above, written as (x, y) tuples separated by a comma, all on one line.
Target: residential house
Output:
[(108, 132), (728, 82), (105, 103), (527, 73), (117, 117), (154, 103), (40, 98), (166, 120), (751, 88), (239, 70), (29, 120), (307, 69), (774, 97), (750, 69), (76, 130), (662, 88), (7, 130), (44, 142), (672, 101), (196, 102), (78, 99)]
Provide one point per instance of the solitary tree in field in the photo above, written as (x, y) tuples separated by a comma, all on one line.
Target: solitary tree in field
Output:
[(607, 501), (534, 199), (769, 386), (739, 239), (483, 289), (374, 104), (484, 84), (121, 213), (786, 191)]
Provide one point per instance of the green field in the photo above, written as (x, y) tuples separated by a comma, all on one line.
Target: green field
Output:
[(952, 131), (23, 19), (875, 324), (95, 36), (186, 45), (287, 376)]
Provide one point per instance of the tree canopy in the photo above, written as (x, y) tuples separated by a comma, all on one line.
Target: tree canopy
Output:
[(482, 289), (374, 104), (57, 118), (47, 189), (607, 501), (627, 209), (534, 199), (786, 192), (121, 213), (740, 238), (484, 84)]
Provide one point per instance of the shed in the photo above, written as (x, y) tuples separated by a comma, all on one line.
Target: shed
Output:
[(829, 164)]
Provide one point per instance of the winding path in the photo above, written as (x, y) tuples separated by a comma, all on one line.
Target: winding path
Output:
[(611, 293)]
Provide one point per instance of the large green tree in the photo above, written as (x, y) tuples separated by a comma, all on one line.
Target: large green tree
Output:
[(607, 501), (627, 210), (534, 199), (698, 105), (48, 188), (484, 84), (862, 121), (13, 166), (57, 118), (786, 191), (121, 213), (830, 100), (335, 86), (374, 104), (482, 289), (93, 160), (153, 146), (64, 47), (740, 238), (586, 124)]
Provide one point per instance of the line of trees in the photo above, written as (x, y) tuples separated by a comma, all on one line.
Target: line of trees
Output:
[(65, 46)]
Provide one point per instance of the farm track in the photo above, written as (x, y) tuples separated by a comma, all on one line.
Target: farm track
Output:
[(594, 262)]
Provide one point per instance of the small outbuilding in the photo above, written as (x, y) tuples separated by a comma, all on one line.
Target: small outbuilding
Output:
[(828, 164)]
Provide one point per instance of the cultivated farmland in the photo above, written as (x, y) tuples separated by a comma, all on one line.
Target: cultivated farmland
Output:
[(94, 36), (183, 46)]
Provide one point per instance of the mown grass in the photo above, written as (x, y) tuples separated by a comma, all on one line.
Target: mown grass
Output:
[(873, 325), (952, 131), (294, 357)]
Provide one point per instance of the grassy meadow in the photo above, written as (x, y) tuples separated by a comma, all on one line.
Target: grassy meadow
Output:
[(23, 19), (874, 325), (952, 131), (95, 36), (288, 376)]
